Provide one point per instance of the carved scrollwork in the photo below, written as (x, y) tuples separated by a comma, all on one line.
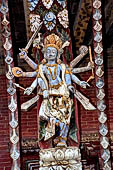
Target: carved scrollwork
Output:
[(100, 94), (13, 105), (66, 158), (14, 138), (103, 130), (102, 118), (14, 153), (97, 4), (47, 3), (104, 142), (13, 123), (97, 26), (97, 16)]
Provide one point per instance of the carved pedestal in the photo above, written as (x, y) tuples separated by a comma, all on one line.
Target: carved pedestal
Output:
[(63, 158)]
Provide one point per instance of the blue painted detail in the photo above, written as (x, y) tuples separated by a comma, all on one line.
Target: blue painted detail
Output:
[(62, 2), (33, 4), (50, 20)]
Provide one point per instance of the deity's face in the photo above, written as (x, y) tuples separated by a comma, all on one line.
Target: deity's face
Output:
[(51, 53)]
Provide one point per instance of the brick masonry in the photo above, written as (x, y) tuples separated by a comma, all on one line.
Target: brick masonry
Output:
[(5, 161)]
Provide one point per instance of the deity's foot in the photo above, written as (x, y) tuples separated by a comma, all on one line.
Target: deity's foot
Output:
[(61, 144)]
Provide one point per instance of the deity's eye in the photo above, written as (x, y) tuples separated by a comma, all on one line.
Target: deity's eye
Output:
[(51, 51), (48, 51), (54, 51)]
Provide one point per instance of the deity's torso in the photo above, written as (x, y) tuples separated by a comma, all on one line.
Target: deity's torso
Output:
[(53, 74), (55, 78)]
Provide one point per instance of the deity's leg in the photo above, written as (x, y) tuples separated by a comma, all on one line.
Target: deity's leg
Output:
[(62, 134)]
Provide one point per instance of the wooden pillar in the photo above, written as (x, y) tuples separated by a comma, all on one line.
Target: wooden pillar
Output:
[(104, 157), (12, 98)]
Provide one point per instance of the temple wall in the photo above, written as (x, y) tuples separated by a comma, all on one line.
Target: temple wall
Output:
[(5, 161)]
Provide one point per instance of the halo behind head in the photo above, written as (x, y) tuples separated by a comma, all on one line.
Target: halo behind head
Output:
[(53, 41)]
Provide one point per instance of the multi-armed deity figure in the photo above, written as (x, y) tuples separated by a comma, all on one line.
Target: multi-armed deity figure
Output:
[(56, 85)]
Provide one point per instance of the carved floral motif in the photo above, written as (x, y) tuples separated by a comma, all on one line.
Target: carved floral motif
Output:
[(63, 18), (8, 58), (97, 16), (34, 22), (98, 49), (97, 26), (103, 130), (98, 37), (104, 142), (12, 105), (15, 154), (106, 155), (13, 123), (60, 158), (7, 45), (100, 83), (4, 8), (99, 71), (102, 118), (47, 3), (100, 94), (5, 22), (101, 105), (62, 2), (14, 138), (32, 4), (97, 4), (50, 20), (99, 60)]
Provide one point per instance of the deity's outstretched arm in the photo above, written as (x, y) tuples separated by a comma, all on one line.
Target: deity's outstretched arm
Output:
[(76, 80), (82, 99), (30, 62), (24, 51), (29, 74), (89, 67), (34, 84), (29, 90), (38, 81), (83, 51), (19, 73)]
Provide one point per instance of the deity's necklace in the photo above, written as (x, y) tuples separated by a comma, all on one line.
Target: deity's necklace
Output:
[(55, 70)]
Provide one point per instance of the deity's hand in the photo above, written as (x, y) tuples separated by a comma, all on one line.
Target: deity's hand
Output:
[(83, 84), (90, 65), (71, 88), (45, 94), (23, 53), (83, 49), (17, 72), (28, 90)]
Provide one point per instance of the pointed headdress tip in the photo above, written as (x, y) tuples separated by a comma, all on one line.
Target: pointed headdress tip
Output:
[(53, 40)]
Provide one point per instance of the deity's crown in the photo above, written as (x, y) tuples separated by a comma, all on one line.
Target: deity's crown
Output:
[(53, 40)]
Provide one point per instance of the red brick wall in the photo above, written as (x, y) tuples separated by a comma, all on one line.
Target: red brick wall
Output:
[(28, 119), (5, 161), (88, 120)]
